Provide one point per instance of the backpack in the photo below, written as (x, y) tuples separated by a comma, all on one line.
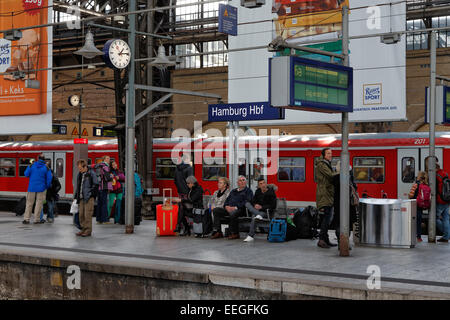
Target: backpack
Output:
[(306, 222), (277, 230), (424, 196), (445, 189)]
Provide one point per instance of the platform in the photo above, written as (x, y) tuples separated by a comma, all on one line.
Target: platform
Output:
[(115, 265)]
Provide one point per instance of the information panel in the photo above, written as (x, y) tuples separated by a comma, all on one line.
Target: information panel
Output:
[(311, 85)]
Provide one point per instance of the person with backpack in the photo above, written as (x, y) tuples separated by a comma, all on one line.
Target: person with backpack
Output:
[(116, 192), (442, 202), (86, 191), (325, 195), (40, 180), (104, 178), (421, 191), (52, 197)]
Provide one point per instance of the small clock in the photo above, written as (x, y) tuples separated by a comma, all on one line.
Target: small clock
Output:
[(117, 54), (74, 100)]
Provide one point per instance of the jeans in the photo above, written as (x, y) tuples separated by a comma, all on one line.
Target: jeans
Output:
[(254, 213), (51, 209), (234, 222), (419, 222), (102, 206), (326, 220), (442, 219)]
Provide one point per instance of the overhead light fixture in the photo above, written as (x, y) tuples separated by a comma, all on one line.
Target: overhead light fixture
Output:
[(161, 61), (390, 38), (12, 35), (119, 19), (89, 50)]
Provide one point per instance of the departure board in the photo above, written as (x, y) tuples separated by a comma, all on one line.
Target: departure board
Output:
[(321, 85)]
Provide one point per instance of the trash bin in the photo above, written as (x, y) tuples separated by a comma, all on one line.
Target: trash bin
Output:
[(387, 223)]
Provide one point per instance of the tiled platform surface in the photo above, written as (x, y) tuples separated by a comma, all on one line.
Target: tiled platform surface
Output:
[(297, 267)]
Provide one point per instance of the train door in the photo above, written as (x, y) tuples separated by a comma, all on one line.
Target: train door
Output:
[(424, 152), (252, 165), (57, 162), (407, 168)]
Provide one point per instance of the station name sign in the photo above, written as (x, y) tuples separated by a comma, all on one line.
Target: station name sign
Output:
[(310, 85), (244, 112)]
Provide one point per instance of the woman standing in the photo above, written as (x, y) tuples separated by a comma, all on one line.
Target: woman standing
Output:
[(422, 179), (116, 193)]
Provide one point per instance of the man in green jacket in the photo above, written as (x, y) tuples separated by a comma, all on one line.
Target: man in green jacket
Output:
[(325, 195)]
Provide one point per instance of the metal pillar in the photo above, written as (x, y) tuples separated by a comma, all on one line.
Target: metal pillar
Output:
[(130, 126), (231, 150), (432, 152), (345, 157)]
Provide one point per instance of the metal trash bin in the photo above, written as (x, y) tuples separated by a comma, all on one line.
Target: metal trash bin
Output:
[(388, 223)]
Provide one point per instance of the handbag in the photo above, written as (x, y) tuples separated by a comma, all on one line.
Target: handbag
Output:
[(74, 207)]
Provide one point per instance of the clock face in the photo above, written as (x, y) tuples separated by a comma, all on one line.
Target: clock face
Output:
[(74, 100), (119, 54)]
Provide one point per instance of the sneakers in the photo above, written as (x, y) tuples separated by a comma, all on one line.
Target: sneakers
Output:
[(249, 239), (442, 240), (217, 235), (258, 217)]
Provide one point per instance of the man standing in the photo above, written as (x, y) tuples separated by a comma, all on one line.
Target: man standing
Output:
[(182, 171), (263, 201), (52, 197), (235, 205), (86, 191), (40, 180), (103, 173), (325, 195)]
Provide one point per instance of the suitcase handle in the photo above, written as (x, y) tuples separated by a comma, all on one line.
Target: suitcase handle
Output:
[(164, 194)]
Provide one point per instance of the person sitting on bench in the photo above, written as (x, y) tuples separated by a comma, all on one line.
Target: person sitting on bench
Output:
[(235, 207), (264, 200)]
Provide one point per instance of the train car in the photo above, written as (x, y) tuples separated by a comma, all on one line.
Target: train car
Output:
[(383, 164)]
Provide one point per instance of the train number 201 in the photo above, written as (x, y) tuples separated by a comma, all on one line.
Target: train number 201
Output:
[(420, 141)]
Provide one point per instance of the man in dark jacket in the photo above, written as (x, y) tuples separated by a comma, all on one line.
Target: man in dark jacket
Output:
[(182, 172), (193, 200), (40, 180), (235, 206), (325, 195), (86, 191), (264, 200), (52, 197)]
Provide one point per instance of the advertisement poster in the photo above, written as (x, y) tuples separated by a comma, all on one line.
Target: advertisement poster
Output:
[(379, 69), (25, 109)]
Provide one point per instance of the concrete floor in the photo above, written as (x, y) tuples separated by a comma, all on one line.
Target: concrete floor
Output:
[(423, 269)]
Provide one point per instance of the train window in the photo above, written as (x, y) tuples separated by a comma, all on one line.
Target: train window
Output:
[(368, 169), (291, 169), (334, 162), (214, 168), (23, 165), (59, 167), (7, 167), (165, 169), (408, 170)]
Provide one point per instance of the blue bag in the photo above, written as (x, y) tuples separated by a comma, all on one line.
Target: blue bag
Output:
[(277, 230)]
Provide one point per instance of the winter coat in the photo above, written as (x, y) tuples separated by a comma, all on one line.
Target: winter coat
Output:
[(218, 202), (52, 192), (195, 197), (324, 178), (239, 198), (40, 176), (89, 188), (182, 171), (103, 172), (268, 199)]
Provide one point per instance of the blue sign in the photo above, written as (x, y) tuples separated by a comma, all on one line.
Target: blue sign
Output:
[(228, 19), (244, 112)]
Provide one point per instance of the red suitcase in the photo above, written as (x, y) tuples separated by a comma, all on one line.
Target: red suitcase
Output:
[(166, 216)]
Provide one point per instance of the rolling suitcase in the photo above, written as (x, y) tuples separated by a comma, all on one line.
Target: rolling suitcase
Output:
[(202, 225), (166, 216)]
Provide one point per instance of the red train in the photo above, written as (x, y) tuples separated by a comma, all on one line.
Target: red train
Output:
[(382, 163)]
